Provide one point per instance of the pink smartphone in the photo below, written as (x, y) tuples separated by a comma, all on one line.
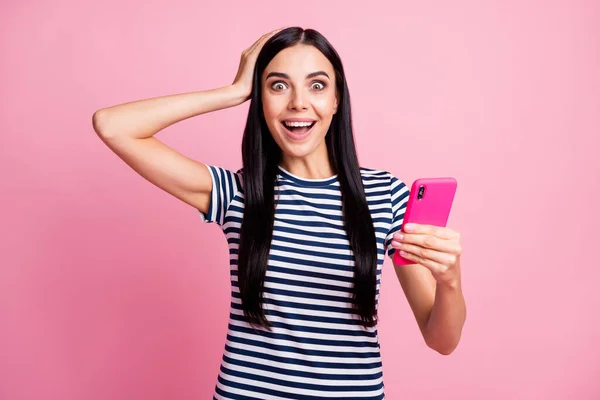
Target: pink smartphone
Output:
[(429, 203)]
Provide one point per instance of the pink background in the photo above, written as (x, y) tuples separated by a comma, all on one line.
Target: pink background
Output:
[(112, 289)]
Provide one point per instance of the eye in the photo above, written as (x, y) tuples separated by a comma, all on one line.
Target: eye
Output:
[(280, 85), (319, 83), (275, 84)]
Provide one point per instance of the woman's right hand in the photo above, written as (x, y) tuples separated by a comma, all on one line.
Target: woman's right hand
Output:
[(243, 79)]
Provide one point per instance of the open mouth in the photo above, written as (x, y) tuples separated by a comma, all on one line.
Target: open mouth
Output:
[(299, 131)]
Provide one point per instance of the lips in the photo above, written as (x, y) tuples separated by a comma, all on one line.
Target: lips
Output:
[(295, 135), (299, 120)]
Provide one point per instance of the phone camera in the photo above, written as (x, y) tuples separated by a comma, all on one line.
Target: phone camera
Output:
[(421, 192)]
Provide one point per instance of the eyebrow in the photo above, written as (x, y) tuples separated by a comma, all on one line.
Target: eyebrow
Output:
[(286, 76)]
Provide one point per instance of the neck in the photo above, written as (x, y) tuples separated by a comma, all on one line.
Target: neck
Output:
[(316, 165)]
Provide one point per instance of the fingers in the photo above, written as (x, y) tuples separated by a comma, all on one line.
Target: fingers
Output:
[(263, 39), (436, 238), (437, 231), (428, 242), (436, 248), (437, 269), (421, 254), (260, 40)]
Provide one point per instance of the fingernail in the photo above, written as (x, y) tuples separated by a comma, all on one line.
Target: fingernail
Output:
[(409, 227), (399, 236)]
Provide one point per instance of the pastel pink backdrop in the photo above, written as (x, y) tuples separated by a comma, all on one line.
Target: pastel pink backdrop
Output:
[(112, 289)]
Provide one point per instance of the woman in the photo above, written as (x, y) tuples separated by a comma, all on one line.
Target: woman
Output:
[(307, 228)]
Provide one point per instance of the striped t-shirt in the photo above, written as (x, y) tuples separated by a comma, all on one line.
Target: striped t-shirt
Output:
[(317, 348)]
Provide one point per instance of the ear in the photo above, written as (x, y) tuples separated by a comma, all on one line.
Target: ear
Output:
[(335, 104)]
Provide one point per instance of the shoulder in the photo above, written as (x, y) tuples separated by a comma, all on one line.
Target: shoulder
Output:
[(380, 180), (372, 173), (379, 175)]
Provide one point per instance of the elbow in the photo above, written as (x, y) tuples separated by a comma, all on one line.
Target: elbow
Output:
[(99, 122), (445, 351), (444, 348)]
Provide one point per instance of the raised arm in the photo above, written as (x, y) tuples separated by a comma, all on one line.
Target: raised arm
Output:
[(128, 129)]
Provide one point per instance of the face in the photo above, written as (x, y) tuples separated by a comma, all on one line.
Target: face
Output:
[(299, 85)]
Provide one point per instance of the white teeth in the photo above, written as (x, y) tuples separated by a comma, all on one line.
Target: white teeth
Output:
[(297, 124)]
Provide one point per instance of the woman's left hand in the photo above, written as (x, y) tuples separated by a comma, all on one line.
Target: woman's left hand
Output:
[(436, 248)]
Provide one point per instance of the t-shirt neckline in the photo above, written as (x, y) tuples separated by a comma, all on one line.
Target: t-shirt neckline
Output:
[(306, 181)]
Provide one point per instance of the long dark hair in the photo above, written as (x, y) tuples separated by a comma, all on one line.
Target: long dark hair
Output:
[(261, 156)]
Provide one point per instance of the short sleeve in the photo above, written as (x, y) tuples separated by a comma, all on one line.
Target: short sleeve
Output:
[(226, 185), (399, 193)]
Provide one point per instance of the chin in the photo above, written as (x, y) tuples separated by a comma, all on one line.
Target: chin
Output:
[(300, 148)]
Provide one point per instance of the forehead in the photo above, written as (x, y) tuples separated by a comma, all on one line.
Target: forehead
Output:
[(298, 61)]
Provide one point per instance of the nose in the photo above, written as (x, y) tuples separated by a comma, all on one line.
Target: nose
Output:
[(297, 100)]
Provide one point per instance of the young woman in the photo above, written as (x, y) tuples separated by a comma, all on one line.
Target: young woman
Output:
[(307, 227)]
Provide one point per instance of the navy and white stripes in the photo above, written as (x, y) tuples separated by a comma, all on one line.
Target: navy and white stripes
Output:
[(317, 349)]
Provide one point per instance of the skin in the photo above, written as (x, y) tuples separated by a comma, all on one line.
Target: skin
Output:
[(300, 97), (432, 284)]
